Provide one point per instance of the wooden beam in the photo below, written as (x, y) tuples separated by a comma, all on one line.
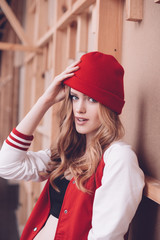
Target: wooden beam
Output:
[(71, 40), (5, 80), (152, 189), (78, 7), (46, 37), (32, 6), (67, 18), (82, 33), (18, 47), (109, 27), (29, 57), (14, 22), (134, 10)]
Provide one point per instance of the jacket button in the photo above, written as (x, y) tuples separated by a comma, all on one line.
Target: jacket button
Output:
[(35, 229), (65, 211)]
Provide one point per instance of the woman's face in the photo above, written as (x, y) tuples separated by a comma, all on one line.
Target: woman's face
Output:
[(86, 113)]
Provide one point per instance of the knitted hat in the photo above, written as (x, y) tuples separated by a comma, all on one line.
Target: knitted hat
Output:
[(100, 77)]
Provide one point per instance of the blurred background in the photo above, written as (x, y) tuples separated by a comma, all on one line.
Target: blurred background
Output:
[(39, 37)]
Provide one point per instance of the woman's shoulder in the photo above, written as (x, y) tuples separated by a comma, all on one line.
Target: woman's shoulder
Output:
[(122, 162), (120, 152)]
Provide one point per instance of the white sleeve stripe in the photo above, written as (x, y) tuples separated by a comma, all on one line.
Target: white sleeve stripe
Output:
[(20, 139), (17, 144)]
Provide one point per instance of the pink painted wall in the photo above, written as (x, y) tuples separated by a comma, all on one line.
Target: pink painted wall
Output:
[(141, 115)]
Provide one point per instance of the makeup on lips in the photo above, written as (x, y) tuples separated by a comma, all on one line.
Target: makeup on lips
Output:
[(81, 120)]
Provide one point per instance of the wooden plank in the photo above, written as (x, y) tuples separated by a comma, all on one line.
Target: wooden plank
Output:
[(50, 57), (134, 10), (28, 91), (5, 80), (18, 47), (59, 64), (32, 7), (30, 21), (152, 189), (71, 40), (46, 37), (15, 97), (41, 19), (60, 61), (6, 94), (14, 22), (109, 27), (51, 13), (78, 7), (67, 18), (29, 57), (82, 33), (62, 7)]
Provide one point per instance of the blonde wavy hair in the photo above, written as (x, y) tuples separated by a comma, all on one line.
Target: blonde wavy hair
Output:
[(69, 153)]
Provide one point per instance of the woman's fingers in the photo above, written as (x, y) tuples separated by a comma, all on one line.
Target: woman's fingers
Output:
[(62, 77), (56, 91), (57, 85), (70, 70), (73, 67)]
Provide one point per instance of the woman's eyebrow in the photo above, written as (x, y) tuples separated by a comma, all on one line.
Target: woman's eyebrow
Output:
[(76, 94), (73, 93)]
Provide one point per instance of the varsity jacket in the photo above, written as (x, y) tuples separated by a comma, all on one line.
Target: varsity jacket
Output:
[(76, 212), (105, 214)]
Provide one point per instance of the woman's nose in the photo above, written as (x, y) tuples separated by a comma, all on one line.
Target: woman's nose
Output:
[(80, 108)]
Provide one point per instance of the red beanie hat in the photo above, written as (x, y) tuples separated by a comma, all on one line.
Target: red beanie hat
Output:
[(100, 77)]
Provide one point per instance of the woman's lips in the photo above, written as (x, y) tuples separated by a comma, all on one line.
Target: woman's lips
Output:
[(80, 120)]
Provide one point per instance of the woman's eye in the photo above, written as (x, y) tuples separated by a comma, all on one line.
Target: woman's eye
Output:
[(73, 97), (92, 100)]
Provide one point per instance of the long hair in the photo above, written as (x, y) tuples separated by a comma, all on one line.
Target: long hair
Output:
[(69, 153)]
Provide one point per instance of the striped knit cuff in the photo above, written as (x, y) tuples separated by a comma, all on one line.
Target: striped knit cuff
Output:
[(19, 140)]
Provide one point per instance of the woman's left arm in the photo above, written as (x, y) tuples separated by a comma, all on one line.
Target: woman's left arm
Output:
[(117, 199)]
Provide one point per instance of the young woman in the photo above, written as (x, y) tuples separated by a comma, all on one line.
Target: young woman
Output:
[(94, 182)]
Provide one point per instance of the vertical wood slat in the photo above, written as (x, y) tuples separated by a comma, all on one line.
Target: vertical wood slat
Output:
[(30, 21), (62, 7), (71, 40), (134, 10), (109, 27), (41, 19), (82, 33), (15, 97), (60, 61)]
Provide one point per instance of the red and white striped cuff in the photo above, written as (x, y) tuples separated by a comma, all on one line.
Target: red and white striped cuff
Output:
[(19, 140)]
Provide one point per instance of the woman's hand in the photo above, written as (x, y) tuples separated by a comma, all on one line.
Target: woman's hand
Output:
[(53, 94), (56, 91)]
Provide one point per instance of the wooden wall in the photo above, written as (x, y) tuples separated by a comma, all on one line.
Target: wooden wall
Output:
[(9, 80)]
